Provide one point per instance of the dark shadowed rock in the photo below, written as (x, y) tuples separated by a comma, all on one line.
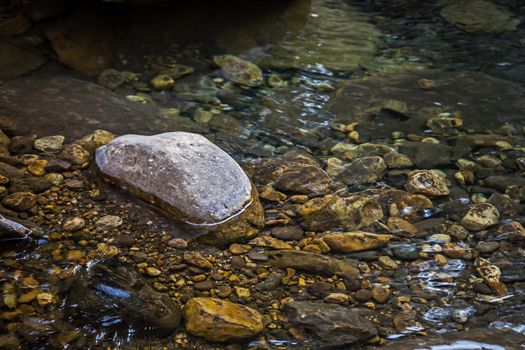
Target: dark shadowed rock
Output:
[(81, 43), (183, 173), (108, 290), (427, 155), (333, 326), (10, 229), (16, 60), (50, 105)]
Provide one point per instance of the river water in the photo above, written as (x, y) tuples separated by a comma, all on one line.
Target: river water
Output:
[(335, 72)]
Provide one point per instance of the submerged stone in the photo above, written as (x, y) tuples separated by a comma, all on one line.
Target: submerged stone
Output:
[(221, 320), (334, 326), (310, 262), (115, 297), (475, 96), (83, 44), (184, 174), (480, 216), (479, 16), (332, 212), (292, 173), (239, 71)]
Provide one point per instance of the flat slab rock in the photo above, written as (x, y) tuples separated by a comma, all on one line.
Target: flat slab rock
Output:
[(183, 173), (47, 104)]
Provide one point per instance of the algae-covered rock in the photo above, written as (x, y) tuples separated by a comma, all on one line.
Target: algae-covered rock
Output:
[(332, 212), (357, 241), (221, 320), (186, 175), (479, 16), (238, 70)]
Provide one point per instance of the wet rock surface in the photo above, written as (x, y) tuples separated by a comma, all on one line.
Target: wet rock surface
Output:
[(334, 325), (116, 297), (183, 173), (48, 103), (219, 320)]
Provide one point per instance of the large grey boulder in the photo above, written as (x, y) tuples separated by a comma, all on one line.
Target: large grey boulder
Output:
[(186, 175)]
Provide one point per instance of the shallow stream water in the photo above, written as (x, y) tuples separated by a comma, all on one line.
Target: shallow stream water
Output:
[(333, 63)]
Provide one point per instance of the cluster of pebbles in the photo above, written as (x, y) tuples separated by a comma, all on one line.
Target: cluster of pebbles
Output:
[(367, 244)]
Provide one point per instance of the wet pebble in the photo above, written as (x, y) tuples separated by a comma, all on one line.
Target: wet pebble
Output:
[(73, 224), (487, 247), (111, 221), (406, 252)]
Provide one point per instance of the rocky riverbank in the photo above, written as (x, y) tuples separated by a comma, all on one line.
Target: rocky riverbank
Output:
[(357, 248)]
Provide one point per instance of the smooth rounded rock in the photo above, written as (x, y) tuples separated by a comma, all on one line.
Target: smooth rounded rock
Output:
[(183, 173), (49, 144), (220, 320), (20, 201)]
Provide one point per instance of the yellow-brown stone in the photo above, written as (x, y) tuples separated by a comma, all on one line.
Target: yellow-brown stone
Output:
[(357, 241), (220, 320)]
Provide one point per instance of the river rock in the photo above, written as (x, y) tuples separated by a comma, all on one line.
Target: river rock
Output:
[(110, 290), (363, 170), (402, 204), (426, 182), (20, 201), (333, 326), (238, 70), (479, 16), (292, 173), (332, 212), (310, 262), (512, 231), (49, 144), (491, 274), (357, 241), (189, 177), (480, 216), (65, 105), (221, 320)]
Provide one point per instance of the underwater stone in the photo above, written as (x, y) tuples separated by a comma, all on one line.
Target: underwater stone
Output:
[(335, 325), (479, 16)]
